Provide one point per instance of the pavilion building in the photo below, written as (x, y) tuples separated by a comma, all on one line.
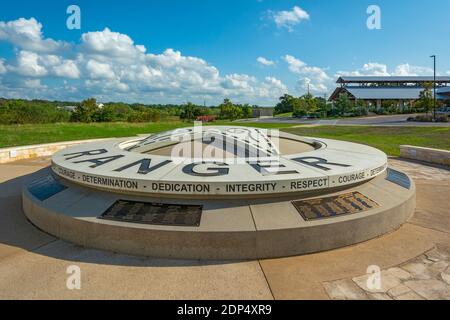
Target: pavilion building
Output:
[(404, 90)]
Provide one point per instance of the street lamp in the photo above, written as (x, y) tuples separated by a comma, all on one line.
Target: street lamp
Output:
[(434, 87)]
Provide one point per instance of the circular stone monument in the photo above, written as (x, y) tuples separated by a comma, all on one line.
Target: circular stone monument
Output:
[(219, 193)]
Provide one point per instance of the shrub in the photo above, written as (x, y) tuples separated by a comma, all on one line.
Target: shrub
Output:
[(27, 112)]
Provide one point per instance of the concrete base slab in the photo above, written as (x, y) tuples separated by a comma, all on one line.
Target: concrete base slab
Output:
[(229, 229)]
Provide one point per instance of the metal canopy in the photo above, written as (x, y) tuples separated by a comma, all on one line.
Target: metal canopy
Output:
[(395, 79)]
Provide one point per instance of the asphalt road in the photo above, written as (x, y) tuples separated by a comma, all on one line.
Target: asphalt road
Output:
[(391, 120)]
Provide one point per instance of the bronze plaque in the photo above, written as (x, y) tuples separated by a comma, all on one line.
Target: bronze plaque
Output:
[(45, 188), (336, 206), (154, 213)]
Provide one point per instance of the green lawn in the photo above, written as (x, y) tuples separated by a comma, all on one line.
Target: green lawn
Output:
[(284, 115), (20, 135), (387, 139)]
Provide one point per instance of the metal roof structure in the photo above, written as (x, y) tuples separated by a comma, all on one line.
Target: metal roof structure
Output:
[(394, 93), (380, 93), (389, 87), (388, 93), (392, 79)]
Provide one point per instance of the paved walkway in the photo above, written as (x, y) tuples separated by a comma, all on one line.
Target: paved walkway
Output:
[(414, 259), (398, 120)]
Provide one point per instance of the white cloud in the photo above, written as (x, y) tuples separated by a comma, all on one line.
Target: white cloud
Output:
[(238, 81), (276, 83), (313, 78), (288, 19), (295, 65), (306, 84), (33, 84), (409, 70), (67, 69), (272, 86), (110, 44), (106, 86), (368, 69), (379, 69), (28, 65), (27, 34), (2, 66), (98, 70), (110, 66), (265, 62)]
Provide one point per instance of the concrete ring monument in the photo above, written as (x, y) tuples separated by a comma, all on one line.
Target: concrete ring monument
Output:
[(219, 193)]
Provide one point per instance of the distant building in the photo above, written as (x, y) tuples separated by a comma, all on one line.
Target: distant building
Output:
[(262, 112), (373, 90)]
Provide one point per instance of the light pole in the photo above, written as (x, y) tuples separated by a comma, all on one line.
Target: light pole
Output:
[(434, 86)]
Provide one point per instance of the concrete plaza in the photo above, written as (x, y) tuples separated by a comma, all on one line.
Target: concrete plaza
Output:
[(415, 259)]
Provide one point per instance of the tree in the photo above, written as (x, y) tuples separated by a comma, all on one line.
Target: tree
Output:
[(300, 107), (190, 111), (360, 108), (343, 104), (425, 101), (86, 111), (304, 105), (247, 111), (311, 102), (322, 106), (230, 111), (285, 105)]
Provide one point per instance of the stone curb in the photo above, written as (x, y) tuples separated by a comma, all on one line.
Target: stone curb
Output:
[(430, 155), (12, 154)]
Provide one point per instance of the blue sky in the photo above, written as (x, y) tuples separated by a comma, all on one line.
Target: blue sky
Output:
[(198, 50)]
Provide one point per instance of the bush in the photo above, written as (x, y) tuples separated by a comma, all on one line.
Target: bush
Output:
[(28, 112), (86, 112)]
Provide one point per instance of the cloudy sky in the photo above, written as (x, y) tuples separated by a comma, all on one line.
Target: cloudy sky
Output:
[(205, 50)]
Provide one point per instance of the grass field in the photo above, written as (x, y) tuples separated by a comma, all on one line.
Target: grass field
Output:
[(21, 135), (387, 139)]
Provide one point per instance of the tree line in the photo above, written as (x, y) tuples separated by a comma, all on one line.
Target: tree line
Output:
[(20, 111)]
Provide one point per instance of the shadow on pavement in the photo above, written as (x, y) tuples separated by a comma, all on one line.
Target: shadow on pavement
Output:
[(17, 233)]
